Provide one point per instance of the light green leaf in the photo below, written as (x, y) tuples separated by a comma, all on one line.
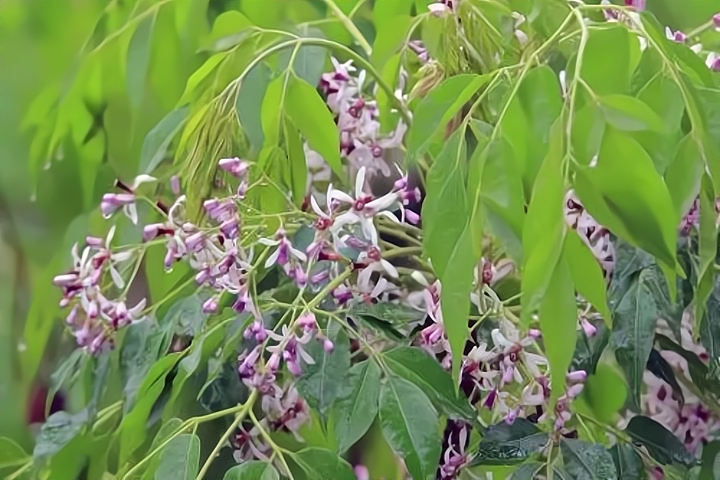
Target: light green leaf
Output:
[(357, 405), (321, 383), (297, 163), (271, 110), (630, 114), (587, 462), (587, 275), (634, 203), (180, 459), (607, 59), (634, 331), (321, 464), (138, 59), (11, 454), (558, 322), (605, 392), (158, 139), (440, 105), (415, 365), (391, 36), (310, 114), (249, 104), (409, 423), (544, 227), (201, 74), (684, 175), (386, 11), (252, 470)]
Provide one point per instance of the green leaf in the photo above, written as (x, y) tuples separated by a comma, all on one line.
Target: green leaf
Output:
[(634, 331), (158, 139), (168, 428), (310, 114), (180, 459), (558, 321), (321, 464), (309, 59), (415, 365), (438, 107), (605, 392), (633, 205), (660, 367), (393, 313), (252, 470), (607, 59), (587, 462), (67, 372), (11, 454), (202, 73), (273, 103), (660, 442), (588, 350), (510, 444), (684, 175), (544, 227), (391, 36), (297, 164), (587, 274), (321, 383), (409, 423), (138, 59), (710, 462), (386, 11), (698, 370), (527, 471), (628, 464), (57, 432), (357, 405), (143, 345), (249, 104), (630, 114)]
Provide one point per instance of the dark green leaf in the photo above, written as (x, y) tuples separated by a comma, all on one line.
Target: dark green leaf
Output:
[(67, 372), (321, 464), (321, 383), (587, 462), (409, 423), (310, 114), (634, 331), (628, 464), (11, 454), (138, 59), (589, 349), (630, 114), (437, 108), (180, 459), (660, 367), (527, 471), (309, 60), (698, 370), (57, 432), (158, 139), (415, 365), (393, 313), (660, 442), (509, 444), (252, 470), (357, 405)]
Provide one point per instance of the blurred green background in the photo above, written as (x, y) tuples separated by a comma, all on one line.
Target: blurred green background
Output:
[(79, 93)]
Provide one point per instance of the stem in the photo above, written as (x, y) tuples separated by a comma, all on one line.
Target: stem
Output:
[(275, 448), (233, 426), (350, 26), (396, 252)]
